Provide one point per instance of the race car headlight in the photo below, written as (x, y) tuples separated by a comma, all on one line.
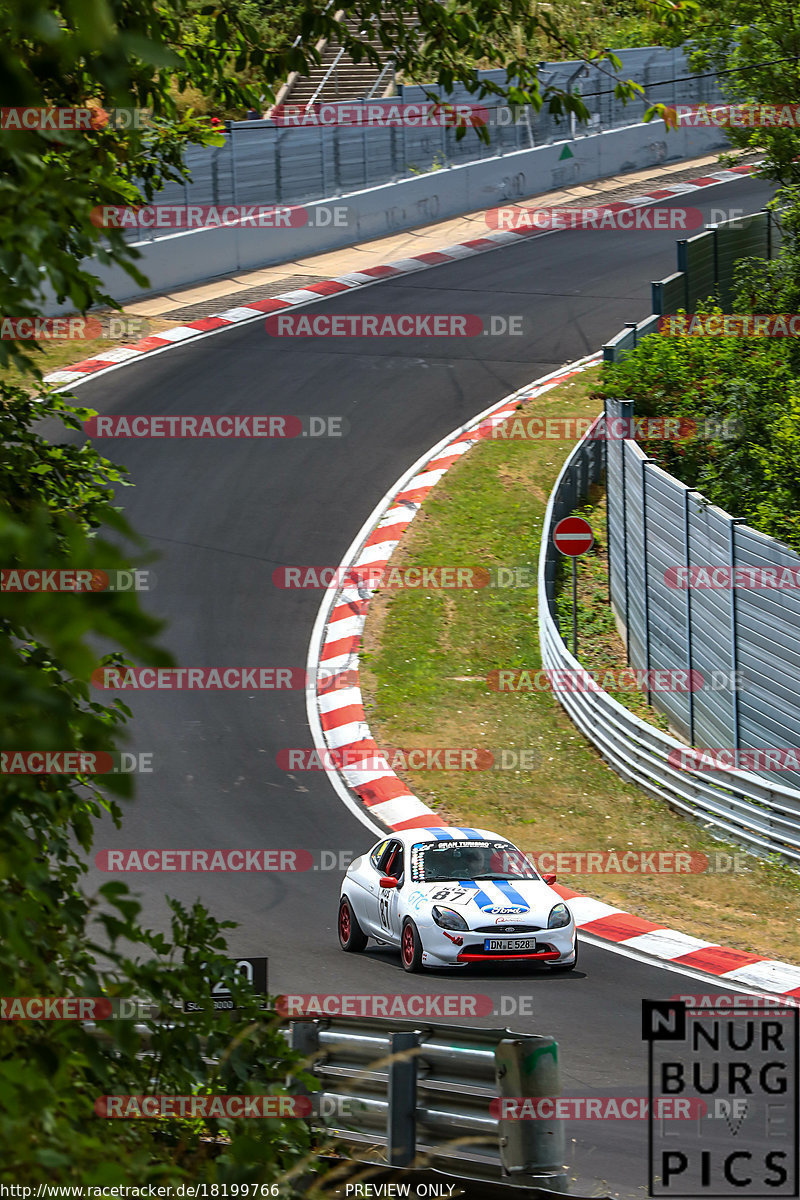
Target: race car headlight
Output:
[(447, 918), (559, 917)]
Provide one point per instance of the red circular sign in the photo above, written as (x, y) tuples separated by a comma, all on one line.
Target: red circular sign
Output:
[(573, 536)]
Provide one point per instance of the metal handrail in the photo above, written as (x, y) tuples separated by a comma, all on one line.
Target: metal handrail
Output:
[(388, 65), (326, 77)]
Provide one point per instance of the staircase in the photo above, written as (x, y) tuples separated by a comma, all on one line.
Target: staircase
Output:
[(338, 77)]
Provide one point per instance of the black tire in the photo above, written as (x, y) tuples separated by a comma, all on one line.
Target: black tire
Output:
[(351, 936), (562, 968), (410, 948)]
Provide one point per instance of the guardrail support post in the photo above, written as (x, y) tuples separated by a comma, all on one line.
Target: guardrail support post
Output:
[(626, 413), (528, 1067), (733, 522), (401, 1120), (686, 553), (646, 597)]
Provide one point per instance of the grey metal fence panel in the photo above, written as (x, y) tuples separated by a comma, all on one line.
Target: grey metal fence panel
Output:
[(696, 258), (735, 804), (707, 262), (264, 163), (744, 642), (747, 238), (636, 537), (668, 632), (711, 628), (669, 294)]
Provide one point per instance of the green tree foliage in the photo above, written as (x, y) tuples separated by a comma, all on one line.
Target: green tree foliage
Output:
[(756, 48), (748, 385), (57, 508)]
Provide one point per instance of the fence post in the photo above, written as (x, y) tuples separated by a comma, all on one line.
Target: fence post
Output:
[(401, 1118), (232, 144), (686, 553), (304, 1039), (683, 265), (337, 172), (645, 461), (732, 523), (529, 1067), (626, 412)]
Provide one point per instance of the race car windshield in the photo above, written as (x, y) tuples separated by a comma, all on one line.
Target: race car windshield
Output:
[(435, 862)]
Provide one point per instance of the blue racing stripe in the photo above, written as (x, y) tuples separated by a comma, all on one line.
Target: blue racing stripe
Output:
[(510, 892), (471, 833), (481, 899), (440, 836)]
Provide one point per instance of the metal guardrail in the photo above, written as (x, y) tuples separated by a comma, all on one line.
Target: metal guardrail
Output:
[(752, 634), (736, 805), (407, 1093)]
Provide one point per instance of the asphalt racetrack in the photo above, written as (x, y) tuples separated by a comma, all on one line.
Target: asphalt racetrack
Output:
[(224, 513)]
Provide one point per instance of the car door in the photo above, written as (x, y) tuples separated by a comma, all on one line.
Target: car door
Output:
[(375, 896), (364, 896), (389, 900)]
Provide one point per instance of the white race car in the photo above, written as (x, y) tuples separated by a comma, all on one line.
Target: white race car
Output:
[(449, 897)]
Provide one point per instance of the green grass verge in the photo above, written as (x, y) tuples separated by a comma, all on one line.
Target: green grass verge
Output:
[(426, 658)]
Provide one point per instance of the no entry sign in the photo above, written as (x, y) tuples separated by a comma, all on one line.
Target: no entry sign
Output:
[(573, 536)]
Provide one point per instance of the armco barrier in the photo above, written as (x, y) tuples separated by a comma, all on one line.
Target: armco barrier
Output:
[(422, 1093), (409, 1093), (189, 257), (655, 522), (737, 805)]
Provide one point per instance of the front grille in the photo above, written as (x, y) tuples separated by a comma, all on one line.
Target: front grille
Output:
[(508, 929)]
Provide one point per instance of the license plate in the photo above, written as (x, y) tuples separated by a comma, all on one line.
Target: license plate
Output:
[(509, 944)]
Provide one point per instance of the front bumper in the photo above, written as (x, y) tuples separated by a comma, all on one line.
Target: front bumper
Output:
[(539, 956), (441, 949)]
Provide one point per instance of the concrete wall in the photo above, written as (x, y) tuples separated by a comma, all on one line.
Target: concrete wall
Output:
[(190, 257)]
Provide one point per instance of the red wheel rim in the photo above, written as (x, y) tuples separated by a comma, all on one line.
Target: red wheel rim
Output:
[(344, 922), (408, 944)]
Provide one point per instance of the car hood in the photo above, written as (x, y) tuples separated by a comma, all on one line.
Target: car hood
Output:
[(526, 899)]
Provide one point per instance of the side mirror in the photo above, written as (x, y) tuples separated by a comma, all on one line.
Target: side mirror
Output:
[(549, 879), (388, 881)]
